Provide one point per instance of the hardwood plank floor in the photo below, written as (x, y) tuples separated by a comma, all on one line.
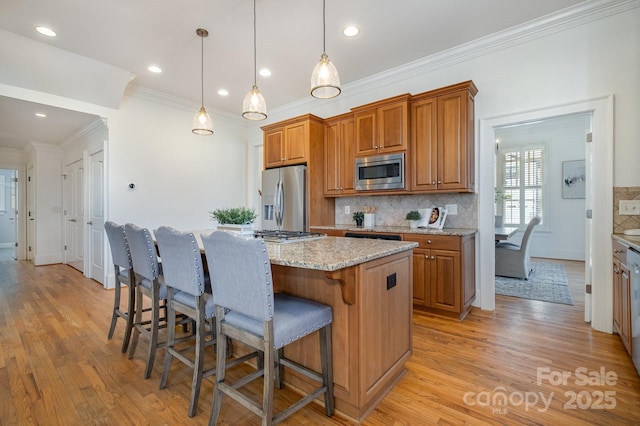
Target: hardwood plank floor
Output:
[(57, 366)]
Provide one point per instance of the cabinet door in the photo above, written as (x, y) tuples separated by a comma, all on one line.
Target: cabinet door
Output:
[(424, 153), (295, 138), (274, 148), (347, 157), (625, 312), (453, 147), (366, 133), (393, 125), (421, 291), (331, 159), (617, 297), (445, 280)]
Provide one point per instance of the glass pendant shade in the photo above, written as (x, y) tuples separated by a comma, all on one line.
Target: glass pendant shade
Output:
[(202, 124), (254, 106), (325, 82)]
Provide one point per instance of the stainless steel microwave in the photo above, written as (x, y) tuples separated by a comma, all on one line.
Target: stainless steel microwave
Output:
[(380, 172)]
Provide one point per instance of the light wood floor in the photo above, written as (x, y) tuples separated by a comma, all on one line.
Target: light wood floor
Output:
[(58, 368)]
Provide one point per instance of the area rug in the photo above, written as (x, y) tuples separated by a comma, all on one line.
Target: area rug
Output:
[(547, 282)]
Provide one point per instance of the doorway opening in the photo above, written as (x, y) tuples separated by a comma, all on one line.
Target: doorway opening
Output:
[(8, 214)]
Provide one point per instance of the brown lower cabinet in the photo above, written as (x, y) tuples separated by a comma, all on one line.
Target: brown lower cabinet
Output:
[(621, 295), (443, 273)]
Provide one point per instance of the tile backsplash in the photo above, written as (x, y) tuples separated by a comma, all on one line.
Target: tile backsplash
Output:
[(390, 210), (624, 222)]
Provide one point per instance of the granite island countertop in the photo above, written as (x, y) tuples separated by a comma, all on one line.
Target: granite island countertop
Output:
[(333, 253), (400, 230), (327, 253)]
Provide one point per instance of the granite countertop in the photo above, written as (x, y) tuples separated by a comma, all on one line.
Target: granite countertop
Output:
[(333, 253), (628, 240), (401, 230), (327, 253)]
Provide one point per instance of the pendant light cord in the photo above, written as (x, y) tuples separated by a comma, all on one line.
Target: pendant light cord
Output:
[(324, 27), (202, 69), (255, 72)]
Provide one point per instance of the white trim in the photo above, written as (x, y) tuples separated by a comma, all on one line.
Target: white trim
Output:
[(602, 181)]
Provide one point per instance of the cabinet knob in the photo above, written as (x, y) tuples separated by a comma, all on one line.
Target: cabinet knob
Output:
[(428, 241), (433, 182), (439, 182), (433, 257)]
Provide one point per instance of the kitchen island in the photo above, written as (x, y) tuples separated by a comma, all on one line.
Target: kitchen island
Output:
[(368, 283)]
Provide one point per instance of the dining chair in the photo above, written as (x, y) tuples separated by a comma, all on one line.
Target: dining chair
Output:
[(150, 283), (514, 260), (248, 311), (124, 275), (187, 282)]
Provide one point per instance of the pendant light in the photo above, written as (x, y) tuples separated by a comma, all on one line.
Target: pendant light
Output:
[(202, 124), (325, 82), (254, 106)]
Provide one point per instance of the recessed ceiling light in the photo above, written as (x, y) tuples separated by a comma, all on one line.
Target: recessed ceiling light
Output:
[(41, 115), (155, 69), (351, 31), (46, 31), (223, 92), (265, 72)]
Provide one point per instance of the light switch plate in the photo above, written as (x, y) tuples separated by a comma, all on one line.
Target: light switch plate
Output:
[(629, 207), (452, 209), (347, 209)]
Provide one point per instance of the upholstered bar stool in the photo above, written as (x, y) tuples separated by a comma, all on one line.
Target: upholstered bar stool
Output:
[(249, 312), (185, 278), (150, 283), (124, 275)]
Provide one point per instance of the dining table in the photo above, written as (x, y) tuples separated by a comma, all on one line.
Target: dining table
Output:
[(503, 233)]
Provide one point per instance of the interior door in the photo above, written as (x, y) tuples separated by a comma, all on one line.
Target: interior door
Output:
[(95, 224), (31, 216), (74, 215)]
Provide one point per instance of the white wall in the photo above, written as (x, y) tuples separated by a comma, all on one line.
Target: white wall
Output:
[(179, 177)]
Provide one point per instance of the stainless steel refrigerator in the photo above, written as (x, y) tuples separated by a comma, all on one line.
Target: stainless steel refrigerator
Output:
[(284, 199)]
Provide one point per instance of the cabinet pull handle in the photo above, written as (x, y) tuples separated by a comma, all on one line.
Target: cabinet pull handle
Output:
[(428, 241)]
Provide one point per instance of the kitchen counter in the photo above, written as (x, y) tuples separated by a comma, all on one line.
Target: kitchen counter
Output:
[(399, 230), (628, 240), (333, 253)]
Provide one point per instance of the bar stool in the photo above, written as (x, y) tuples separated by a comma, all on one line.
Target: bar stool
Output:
[(248, 311), (150, 283), (124, 275), (185, 279)]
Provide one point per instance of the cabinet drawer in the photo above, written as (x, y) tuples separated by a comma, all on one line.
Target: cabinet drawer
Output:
[(620, 251), (440, 242)]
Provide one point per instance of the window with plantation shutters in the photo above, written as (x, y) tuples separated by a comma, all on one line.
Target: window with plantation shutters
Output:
[(520, 177)]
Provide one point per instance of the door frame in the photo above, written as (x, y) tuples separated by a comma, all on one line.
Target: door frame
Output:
[(602, 202)]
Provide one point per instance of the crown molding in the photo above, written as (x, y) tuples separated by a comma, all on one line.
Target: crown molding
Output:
[(155, 96)]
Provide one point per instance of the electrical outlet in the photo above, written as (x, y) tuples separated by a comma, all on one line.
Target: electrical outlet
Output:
[(347, 209), (630, 207), (452, 209)]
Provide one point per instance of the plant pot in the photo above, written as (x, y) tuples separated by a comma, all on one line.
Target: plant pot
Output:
[(359, 223), (246, 229), (413, 224)]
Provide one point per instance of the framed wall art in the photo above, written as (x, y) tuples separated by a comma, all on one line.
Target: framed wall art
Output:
[(573, 179)]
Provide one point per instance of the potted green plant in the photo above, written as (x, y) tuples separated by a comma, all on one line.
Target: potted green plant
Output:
[(413, 217), (237, 219), (358, 217)]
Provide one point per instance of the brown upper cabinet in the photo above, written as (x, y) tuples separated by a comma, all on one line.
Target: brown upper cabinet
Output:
[(442, 139), (339, 155), (287, 142), (382, 127)]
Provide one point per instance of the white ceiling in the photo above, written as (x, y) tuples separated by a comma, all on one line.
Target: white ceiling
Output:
[(131, 35)]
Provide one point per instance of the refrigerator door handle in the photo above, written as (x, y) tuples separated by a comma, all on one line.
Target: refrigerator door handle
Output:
[(279, 205)]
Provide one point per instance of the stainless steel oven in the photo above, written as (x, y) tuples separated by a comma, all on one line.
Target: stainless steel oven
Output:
[(380, 172)]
